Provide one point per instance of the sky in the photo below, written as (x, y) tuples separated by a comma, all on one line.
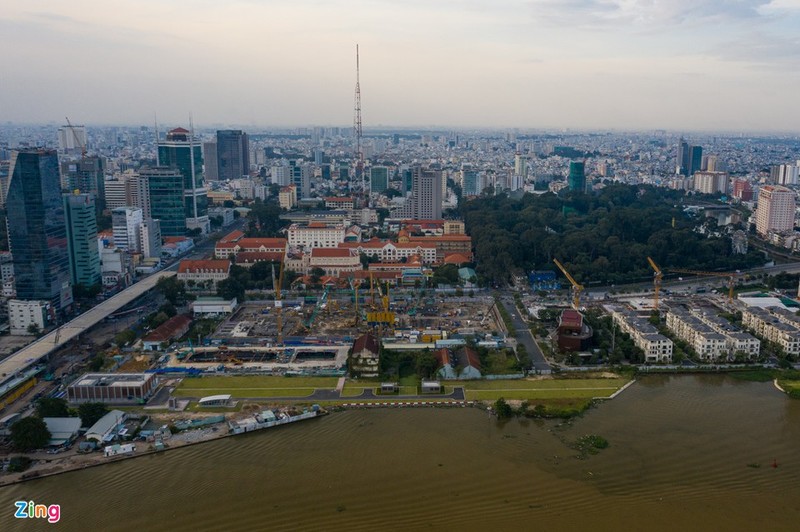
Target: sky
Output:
[(682, 65)]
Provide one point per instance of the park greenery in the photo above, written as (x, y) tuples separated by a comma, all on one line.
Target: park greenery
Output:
[(602, 238)]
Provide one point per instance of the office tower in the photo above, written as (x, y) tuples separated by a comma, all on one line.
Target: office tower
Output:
[(37, 232), (84, 256), (689, 158), (470, 181), (183, 152), (300, 176), (711, 182), (426, 192), (319, 157), (166, 192), (125, 222), (577, 177), (233, 154), (71, 139), (281, 175), (378, 179), (775, 211), (520, 166), (86, 175), (696, 158), (210, 161), (150, 238)]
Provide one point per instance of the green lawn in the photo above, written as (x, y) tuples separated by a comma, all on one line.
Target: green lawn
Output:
[(539, 389), (253, 386)]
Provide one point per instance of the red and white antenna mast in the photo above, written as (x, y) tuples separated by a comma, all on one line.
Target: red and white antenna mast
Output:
[(358, 132)]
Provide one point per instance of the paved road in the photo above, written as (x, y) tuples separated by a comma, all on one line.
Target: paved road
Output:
[(524, 336)]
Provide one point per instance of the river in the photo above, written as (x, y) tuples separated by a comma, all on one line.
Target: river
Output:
[(686, 453)]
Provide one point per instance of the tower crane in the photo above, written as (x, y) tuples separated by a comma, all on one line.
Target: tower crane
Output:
[(657, 276), (577, 288), (731, 276), (278, 302), (78, 142)]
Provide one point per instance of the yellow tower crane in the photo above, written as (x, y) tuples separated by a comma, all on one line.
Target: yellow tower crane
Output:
[(577, 288), (278, 303), (657, 276), (731, 276)]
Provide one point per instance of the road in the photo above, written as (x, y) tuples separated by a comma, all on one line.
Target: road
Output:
[(524, 336)]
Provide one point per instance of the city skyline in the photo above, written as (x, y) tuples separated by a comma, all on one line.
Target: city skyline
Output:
[(585, 64)]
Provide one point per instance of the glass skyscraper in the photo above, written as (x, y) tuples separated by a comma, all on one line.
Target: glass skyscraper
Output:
[(378, 179), (84, 256), (37, 232), (182, 151), (577, 176), (165, 187), (233, 154)]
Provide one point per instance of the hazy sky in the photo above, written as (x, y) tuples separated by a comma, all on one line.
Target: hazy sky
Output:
[(673, 64)]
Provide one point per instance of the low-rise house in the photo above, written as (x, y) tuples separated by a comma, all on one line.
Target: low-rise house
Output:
[(447, 370), (63, 430), (170, 330), (105, 429), (469, 364), (365, 356)]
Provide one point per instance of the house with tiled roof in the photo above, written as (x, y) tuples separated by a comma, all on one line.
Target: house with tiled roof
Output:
[(170, 330), (386, 251), (364, 360), (334, 261), (223, 250), (209, 272)]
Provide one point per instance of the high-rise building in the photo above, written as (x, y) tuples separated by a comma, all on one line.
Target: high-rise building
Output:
[(166, 192), (711, 182), (689, 158), (784, 174), (37, 233), (125, 222), (378, 179), (210, 161), (150, 238), (742, 190), (300, 173), (577, 176), (86, 175), (520, 166), (775, 211), (233, 154), (470, 181), (84, 256), (71, 139), (182, 151), (426, 194)]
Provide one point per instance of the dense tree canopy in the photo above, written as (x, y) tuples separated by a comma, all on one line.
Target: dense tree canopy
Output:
[(52, 407), (601, 239), (29, 433)]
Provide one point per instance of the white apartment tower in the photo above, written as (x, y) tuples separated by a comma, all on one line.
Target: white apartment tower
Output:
[(775, 211)]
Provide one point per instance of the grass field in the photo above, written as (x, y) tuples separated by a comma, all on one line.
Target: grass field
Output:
[(254, 386)]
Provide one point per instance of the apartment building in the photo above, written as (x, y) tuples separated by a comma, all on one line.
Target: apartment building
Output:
[(775, 325), (706, 342), (656, 346)]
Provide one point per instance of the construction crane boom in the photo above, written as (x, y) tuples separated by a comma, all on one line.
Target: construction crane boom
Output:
[(78, 142), (657, 276), (577, 288), (278, 302)]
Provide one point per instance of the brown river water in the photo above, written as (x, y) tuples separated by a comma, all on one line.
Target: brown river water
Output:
[(682, 456)]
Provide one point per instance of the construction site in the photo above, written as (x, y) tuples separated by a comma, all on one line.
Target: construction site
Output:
[(314, 332)]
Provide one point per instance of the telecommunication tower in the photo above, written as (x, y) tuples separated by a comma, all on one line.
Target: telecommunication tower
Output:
[(358, 133)]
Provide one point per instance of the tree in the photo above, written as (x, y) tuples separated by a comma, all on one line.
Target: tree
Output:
[(426, 364), (34, 329), (503, 409), (172, 289), (29, 433), (91, 413), (97, 362), (125, 337), (230, 288), (52, 407)]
